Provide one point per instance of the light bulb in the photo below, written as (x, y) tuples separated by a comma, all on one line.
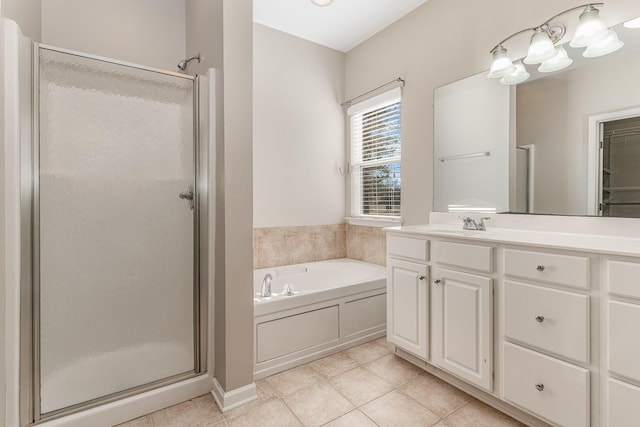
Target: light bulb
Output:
[(590, 29), (540, 49), (501, 64), (604, 47), (519, 75), (560, 61)]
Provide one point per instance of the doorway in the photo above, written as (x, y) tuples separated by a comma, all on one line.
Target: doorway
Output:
[(620, 168)]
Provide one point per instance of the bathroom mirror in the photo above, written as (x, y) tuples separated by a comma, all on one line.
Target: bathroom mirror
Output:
[(563, 143)]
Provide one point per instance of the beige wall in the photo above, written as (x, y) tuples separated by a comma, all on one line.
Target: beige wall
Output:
[(552, 114), (440, 42), (145, 32), (299, 136), (234, 255), (222, 32), (27, 13), (2, 233)]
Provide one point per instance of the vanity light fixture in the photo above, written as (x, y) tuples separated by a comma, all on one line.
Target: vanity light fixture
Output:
[(591, 33), (322, 3)]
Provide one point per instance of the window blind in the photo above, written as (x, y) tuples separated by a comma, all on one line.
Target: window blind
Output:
[(375, 130)]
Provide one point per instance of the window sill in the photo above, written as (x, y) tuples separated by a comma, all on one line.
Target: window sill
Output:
[(374, 221)]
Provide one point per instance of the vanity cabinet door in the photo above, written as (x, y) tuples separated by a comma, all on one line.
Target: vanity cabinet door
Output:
[(462, 319), (407, 304)]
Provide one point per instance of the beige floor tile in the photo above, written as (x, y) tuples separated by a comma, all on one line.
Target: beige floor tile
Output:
[(199, 412), (477, 414), (398, 409), (265, 392), (271, 414), (436, 395), (352, 419), (383, 342), (293, 380), (360, 386), (367, 352), (138, 422), (333, 365), (394, 370), (318, 404)]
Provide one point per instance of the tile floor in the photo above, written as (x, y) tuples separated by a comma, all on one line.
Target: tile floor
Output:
[(362, 386)]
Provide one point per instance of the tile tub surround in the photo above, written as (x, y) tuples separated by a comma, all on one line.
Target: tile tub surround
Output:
[(277, 246), (366, 244), (363, 386)]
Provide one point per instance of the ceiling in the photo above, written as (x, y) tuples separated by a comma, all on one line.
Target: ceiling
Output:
[(342, 25)]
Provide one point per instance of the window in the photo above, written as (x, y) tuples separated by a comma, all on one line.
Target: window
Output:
[(375, 156)]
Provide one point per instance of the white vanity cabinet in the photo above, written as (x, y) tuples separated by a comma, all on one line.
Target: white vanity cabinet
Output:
[(408, 294), (546, 324), (547, 334), (622, 278), (462, 311)]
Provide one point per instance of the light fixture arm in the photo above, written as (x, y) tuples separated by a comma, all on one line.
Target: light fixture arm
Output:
[(555, 32)]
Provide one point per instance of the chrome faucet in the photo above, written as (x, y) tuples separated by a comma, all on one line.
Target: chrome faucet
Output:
[(265, 290), (472, 224)]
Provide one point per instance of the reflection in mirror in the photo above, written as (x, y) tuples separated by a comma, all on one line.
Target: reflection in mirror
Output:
[(565, 143)]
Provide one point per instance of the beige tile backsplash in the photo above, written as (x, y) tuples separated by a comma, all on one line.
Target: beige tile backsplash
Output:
[(277, 246)]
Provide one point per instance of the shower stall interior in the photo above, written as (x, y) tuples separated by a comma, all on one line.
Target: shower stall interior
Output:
[(113, 202)]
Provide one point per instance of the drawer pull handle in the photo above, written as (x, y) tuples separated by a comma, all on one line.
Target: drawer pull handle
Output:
[(437, 281), (421, 277), (539, 319), (540, 387), (540, 268)]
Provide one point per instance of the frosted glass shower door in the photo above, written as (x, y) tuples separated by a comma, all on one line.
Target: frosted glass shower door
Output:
[(115, 240)]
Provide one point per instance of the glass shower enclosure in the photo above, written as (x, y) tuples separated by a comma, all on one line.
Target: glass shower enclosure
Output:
[(115, 294)]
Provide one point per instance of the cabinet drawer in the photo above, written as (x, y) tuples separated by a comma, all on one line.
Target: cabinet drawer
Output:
[(624, 339), (408, 247), (623, 408), (623, 278), (462, 255), (567, 270), (547, 387), (549, 319)]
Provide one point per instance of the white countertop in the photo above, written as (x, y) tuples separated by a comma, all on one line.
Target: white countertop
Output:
[(601, 244)]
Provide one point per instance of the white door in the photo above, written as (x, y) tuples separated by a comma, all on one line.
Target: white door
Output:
[(407, 303), (462, 325)]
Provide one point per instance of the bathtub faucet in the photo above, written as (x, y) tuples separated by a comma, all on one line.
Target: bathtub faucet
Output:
[(265, 291)]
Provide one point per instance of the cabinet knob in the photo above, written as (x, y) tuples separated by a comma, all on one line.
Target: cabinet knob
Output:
[(540, 268), (540, 387), (421, 277), (437, 281), (539, 319)]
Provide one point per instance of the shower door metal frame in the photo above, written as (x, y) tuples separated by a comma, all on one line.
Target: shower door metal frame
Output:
[(30, 411)]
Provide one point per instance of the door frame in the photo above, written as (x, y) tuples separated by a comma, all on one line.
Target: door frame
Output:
[(594, 159)]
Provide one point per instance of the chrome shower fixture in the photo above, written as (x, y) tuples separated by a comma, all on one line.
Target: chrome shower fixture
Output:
[(182, 65)]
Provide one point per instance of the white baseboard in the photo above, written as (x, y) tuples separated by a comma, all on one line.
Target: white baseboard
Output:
[(227, 400)]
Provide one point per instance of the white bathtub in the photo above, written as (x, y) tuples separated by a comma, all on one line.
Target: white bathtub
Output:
[(336, 304)]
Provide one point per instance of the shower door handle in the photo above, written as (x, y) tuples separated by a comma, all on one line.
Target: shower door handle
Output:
[(188, 195)]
